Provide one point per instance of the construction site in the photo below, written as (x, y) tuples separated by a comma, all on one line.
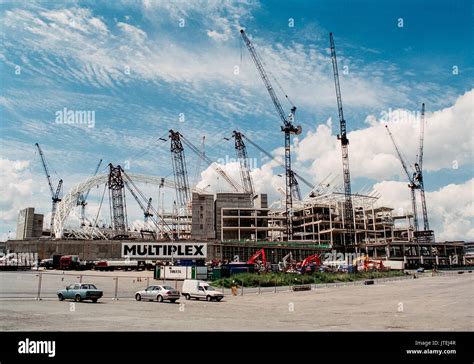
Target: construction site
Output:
[(239, 222)]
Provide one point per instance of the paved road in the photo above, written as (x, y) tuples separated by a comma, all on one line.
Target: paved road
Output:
[(433, 303)]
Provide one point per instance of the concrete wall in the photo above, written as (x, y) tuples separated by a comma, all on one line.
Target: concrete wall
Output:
[(261, 201), (229, 200), (86, 249), (244, 224), (29, 225), (203, 217)]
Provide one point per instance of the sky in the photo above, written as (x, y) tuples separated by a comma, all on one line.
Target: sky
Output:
[(145, 67)]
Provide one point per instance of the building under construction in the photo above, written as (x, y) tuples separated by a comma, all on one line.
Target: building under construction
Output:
[(234, 225), (239, 222)]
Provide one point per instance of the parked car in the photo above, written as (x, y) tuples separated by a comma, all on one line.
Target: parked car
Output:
[(159, 293), (80, 292), (193, 288)]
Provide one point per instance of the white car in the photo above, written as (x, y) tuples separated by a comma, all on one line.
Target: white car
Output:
[(158, 293)]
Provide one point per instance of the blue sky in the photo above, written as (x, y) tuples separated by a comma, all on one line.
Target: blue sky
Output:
[(138, 70)]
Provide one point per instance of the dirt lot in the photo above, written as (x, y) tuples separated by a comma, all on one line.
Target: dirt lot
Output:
[(442, 302)]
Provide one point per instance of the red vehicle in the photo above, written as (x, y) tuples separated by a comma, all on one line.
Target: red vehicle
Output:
[(263, 261), (308, 264), (67, 262)]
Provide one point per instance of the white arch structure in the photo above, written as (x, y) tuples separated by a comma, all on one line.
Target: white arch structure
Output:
[(70, 200)]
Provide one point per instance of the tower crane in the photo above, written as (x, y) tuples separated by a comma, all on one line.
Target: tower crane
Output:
[(288, 128), (179, 169), (419, 171), (82, 200), (54, 193), (348, 214), (241, 150), (411, 179)]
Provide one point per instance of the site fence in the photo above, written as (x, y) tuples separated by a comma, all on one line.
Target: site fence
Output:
[(40, 285), (44, 285)]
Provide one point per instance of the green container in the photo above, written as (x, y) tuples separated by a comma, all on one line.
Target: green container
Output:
[(216, 273), (156, 274)]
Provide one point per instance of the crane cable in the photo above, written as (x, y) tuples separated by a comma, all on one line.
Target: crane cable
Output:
[(267, 70), (100, 205)]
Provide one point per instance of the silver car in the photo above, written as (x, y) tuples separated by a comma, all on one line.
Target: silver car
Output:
[(159, 293)]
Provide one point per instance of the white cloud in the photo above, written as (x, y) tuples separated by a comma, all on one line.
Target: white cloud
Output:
[(78, 46), (17, 186), (96, 55), (217, 36), (371, 152), (219, 18), (450, 209), (79, 18), (372, 156), (136, 34)]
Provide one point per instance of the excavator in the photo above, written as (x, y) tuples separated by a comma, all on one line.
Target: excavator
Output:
[(307, 265), (284, 265), (365, 264), (262, 264)]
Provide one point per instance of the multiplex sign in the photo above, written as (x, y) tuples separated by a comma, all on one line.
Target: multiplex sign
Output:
[(164, 250)]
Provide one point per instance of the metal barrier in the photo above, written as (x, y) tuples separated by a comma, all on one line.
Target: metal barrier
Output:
[(45, 284)]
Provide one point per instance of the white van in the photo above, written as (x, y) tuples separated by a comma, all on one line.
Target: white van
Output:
[(193, 288)]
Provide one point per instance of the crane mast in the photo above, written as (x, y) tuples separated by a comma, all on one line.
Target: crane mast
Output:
[(348, 213), (241, 150), (117, 201), (295, 187), (288, 128), (419, 170), (147, 213), (54, 193), (411, 179), (179, 168)]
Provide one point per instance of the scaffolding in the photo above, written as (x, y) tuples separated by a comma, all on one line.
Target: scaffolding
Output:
[(321, 220)]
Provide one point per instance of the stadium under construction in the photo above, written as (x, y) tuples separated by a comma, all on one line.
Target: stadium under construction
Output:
[(241, 221)]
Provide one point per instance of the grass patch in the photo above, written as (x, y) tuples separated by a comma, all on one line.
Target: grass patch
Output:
[(289, 279)]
